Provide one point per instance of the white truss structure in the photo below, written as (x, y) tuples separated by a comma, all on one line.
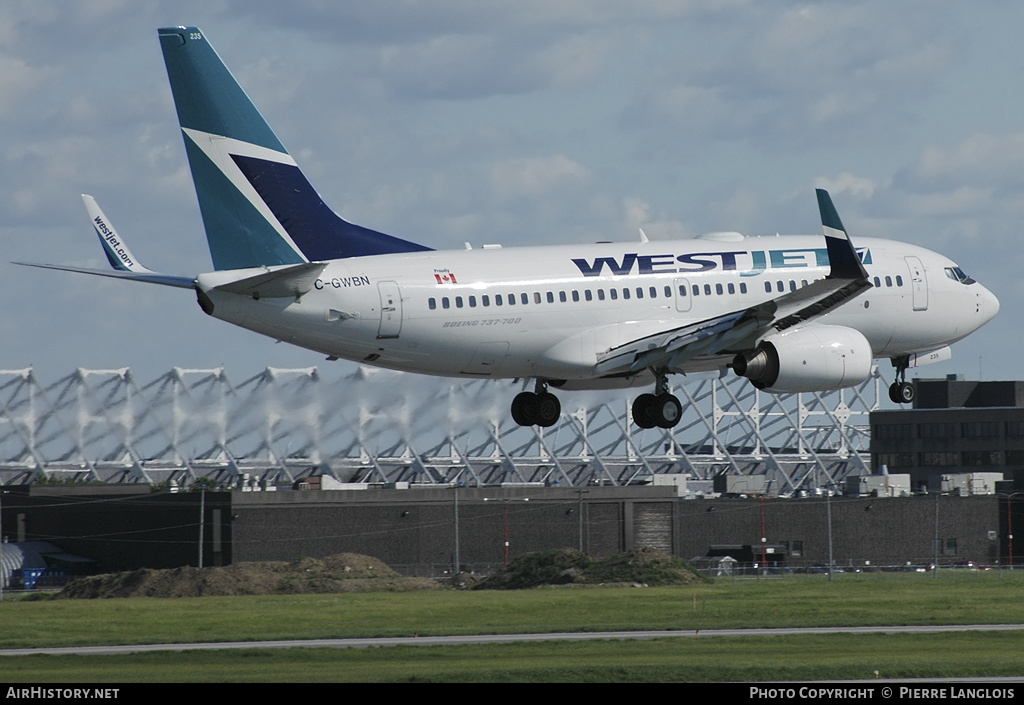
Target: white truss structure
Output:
[(375, 426)]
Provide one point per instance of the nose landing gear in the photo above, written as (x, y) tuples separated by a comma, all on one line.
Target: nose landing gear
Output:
[(901, 391)]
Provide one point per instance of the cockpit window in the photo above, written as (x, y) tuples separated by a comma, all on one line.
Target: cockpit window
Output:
[(957, 274)]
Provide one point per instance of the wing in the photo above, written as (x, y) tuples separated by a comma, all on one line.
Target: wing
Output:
[(740, 330)]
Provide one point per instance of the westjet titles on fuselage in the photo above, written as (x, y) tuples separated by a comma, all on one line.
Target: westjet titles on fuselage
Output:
[(748, 263)]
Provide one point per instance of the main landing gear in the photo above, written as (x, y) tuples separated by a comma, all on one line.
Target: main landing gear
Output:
[(901, 391), (660, 409), (538, 408), (542, 408)]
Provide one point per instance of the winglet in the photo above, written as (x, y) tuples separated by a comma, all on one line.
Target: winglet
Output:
[(117, 252), (125, 264), (841, 253)]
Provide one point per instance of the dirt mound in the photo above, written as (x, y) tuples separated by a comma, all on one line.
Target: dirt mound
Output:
[(345, 572), (641, 566)]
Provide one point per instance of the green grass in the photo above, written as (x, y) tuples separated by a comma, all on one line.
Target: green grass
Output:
[(800, 658), (797, 601), (793, 602)]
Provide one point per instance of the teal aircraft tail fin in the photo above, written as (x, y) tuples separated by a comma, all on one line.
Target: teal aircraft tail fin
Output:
[(258, 208)]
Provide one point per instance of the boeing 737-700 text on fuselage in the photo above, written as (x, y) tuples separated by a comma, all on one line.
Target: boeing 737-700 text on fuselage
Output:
[(790, 313)]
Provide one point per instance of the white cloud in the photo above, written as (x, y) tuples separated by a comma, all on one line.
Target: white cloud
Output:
[(990, 158), (400, 21), (783, 77), (536, 177), (971, 189), (859, 186), (963, 200), (637, 215), (18, 79)]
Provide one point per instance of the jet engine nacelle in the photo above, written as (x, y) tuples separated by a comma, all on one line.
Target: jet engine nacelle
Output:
[(812, 359)]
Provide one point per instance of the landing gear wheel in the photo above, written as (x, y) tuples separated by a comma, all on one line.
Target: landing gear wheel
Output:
[(906, 393), (546, 409), (901, 391), (521, 408), (665, 411), (536, 409), (894, 392), (641, 411)]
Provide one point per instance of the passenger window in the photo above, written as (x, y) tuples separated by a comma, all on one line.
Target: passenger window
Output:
[(668, 291), (486, 300), (600, 294), (639, 292), (561, 296), (432, 303), (888, 281), (899, 280), (526, 299), (719, 289), (536, 297), (458, 302), (445, 303), (575, 295), (696, 290), (497, 300), (707, 290), (472, 302), (614, 293), (768, 287), (551, 298), (743, 287), (732, 288), (511, 299), (625, 293), (878, 282), (588, 295)]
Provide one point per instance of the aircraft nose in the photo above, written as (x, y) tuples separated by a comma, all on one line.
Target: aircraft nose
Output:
[(989, 305)]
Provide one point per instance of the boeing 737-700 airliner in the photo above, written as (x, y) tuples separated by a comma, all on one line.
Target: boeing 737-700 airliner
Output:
[(792, 314)]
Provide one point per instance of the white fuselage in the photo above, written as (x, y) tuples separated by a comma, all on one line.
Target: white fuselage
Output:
[(552, 312)]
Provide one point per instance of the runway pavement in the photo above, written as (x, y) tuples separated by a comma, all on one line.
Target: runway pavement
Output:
[(503, 639)]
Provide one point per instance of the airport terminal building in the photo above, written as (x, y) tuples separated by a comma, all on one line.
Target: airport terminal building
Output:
[(959, 436), (430, 531)]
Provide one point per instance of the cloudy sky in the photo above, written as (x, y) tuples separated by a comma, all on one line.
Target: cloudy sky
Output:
[(512, 122)]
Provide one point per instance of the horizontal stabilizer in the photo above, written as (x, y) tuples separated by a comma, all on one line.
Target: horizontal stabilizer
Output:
[(148, 278), (293, 281)]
